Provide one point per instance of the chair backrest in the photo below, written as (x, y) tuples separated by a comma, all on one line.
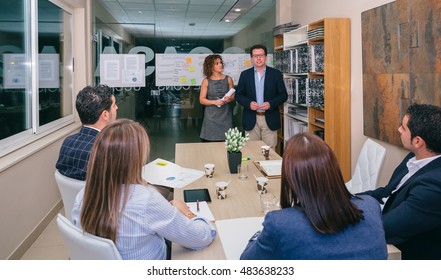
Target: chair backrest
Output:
[(69, 189), (367, 169), (85, 246)]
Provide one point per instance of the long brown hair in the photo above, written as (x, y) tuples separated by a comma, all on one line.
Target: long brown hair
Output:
[(312, 181), (209, 63), (118, 154)]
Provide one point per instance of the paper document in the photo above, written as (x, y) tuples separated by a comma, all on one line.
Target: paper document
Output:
[(229, 93), (235, 234), (270, 168), (165, 173), (204, 210)]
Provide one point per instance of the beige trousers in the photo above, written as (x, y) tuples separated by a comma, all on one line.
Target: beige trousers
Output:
[(261, 131)]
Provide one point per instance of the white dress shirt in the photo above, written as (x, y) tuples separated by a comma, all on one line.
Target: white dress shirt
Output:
[(413, 165)]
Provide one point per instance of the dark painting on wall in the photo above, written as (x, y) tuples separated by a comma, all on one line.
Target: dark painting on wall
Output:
[(401, 63)]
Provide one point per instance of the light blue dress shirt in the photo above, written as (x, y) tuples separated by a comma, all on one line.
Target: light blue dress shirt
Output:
[(259, 82), (147, 219)]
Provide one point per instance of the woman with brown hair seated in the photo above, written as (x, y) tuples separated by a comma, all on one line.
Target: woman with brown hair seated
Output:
[(319, 218), (118, 204)]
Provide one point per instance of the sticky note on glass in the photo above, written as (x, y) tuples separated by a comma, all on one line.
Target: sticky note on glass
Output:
[(247, 63), (182, 80), (191, 68), (193, 81), (188, 60), (161, 163)]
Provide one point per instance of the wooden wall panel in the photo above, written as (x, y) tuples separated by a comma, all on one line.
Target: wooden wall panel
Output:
[(401, 63)]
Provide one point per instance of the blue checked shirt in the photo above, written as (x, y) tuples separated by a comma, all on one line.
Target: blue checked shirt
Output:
[(74, 153)]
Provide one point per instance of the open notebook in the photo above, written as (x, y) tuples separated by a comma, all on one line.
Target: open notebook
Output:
[(270, 168), (235, 233)]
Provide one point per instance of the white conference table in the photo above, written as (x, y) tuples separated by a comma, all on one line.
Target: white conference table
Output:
[(242, 197)]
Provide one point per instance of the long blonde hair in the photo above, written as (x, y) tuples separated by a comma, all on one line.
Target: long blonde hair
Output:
[(118, 154)]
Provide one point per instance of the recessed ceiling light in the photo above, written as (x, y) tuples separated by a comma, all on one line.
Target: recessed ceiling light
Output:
[(239, 8)]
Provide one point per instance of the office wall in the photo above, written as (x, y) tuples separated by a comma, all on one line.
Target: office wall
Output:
[(306, 11), (28, 193)]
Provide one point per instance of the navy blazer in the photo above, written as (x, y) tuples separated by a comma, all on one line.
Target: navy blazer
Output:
[(274, 92), (74, 153), (288, 234), (412, 215)]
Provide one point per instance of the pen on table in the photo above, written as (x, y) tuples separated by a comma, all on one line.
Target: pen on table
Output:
[(197, 205), (246, 158)]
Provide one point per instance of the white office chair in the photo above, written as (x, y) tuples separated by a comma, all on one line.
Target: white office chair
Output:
[(69, 189), (367, 170), (85, 246)]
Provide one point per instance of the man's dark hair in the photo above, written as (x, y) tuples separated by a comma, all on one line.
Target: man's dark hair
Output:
[(92, 101), (258, 47), (425, 122)]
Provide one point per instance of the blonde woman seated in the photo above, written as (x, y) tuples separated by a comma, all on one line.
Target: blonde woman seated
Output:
[(319, 218), (119, 205)]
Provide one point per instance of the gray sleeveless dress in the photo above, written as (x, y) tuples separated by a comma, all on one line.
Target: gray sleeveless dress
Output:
[(217, 120)]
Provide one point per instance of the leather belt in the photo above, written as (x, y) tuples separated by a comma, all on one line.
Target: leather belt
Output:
[(260, 113)]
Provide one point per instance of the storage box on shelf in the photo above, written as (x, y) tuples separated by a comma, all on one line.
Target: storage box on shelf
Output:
[(317, 75)]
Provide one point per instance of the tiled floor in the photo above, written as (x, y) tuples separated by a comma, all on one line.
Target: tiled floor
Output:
[(164, 133), (49, 246)]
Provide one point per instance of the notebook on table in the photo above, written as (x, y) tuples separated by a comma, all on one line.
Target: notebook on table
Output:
[(270, 168)]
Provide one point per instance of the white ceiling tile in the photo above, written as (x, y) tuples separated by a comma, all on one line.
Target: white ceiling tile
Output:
[(138, 6), (173, 16)]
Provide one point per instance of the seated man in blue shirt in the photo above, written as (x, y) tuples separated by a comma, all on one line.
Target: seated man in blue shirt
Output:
[(412, 198), (96, 107)]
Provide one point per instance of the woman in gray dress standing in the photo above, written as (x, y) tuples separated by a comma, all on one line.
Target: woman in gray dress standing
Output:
[(218, 113)]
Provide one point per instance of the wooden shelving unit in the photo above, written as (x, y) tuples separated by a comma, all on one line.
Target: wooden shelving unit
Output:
[(333, 120), (278, 43), (278, 46)]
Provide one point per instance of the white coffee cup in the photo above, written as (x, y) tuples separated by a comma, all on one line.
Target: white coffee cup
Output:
[(262, 182), (209, 170), (265, 151), (221, 189)]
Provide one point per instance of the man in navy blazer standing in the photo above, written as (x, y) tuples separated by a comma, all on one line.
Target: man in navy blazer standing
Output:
[(412, 198), (96, 107), (261, 91)]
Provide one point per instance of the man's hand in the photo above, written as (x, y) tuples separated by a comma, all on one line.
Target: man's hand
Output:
[(265, 106), (254, 106)]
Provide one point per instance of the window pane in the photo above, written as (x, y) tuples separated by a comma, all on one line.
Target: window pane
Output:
[(14, 103), (55, 62)]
